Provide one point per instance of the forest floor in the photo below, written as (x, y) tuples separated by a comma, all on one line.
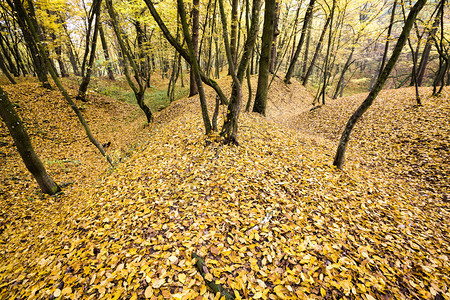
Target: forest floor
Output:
[(272, 218)]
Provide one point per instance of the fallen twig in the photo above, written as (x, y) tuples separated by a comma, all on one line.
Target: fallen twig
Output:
[(217, 288)]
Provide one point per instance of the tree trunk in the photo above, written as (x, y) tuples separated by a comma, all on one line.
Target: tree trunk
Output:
[(139, 91), (326, 73), (340, 153), (316, 53), (61, 88), (70, 52), (182, 51), (230, 127), (264, 62), (193, 89), (6, 55), (340, 84), (5, 70), (386, 47), (194, 65), (234, 31), (273, 53), (426, 51), (39, 64), (305, 57), (87, 75), (308, 15), (23, 145), (58, 52), (105, 52)]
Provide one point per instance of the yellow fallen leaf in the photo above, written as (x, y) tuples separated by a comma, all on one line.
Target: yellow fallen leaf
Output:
[(182, 278), (57, 293), (257, 295), (148, 292), (280, 290), (209, 277), (66, 291), (158, 283), (369, 297)]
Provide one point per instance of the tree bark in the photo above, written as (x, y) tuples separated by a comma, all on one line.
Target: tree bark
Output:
[(138, 90), (326, 75), (182, 51), (308, 15), (24, 146), (87, 74), (193, 89), (106, 52), (264, 63), (426, 51), (195, 67), (316, 52), (230, 127), (340, 84), (305, 57), (39, 64), (340, 153), (5, 70), (234, 31), (273, 52)]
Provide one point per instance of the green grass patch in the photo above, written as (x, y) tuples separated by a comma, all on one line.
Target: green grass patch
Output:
[(156, 99)]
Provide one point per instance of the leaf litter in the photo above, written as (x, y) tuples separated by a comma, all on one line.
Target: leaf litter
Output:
[(272, 219)]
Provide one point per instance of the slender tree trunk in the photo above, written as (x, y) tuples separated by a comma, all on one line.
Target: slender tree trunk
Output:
[(234, 31), (340, 84), (249, 84), (230, 127), (326, 73), (24, 147), (308, 15), (212, 27), (443, 54), (340, 153), (6, 55), (216, 114), (264, 62), (61, 88), (386, 47), (194, 65), (39, 64), (193, 89), (305, 57), (316, 52), (182, 51), (70, 53), (273, 53), (58, 52), (5, 70), (139, 90), (105, 52), (426, 51), (87, 75)]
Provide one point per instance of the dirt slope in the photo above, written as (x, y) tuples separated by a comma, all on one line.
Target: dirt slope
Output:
[(61, 144), (394, 137), (272, 219)]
